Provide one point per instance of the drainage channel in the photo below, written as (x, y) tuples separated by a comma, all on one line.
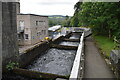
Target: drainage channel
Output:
[(75, 36), (67, 43), (56, 62)]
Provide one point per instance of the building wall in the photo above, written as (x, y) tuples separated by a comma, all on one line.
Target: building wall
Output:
[(27, 29), (37, 31), (34, 26), (9, 33)]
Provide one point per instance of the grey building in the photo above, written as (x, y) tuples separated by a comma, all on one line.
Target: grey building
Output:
[(31, 28)]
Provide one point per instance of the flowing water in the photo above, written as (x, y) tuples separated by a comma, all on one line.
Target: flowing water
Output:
[(55, 61), (69, 43), (75, 36)]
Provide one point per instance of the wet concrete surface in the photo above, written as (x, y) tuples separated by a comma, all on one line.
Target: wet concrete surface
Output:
[(69, 43), (95, 66), (55, 61)]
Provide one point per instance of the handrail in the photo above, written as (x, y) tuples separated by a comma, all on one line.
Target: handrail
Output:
[(76, 65)]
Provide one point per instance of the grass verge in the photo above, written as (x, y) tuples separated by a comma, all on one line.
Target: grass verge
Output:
[(105, 44)]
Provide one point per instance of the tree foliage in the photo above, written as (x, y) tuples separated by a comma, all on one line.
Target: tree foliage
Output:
[(66, 22), (56, 20), (103, 18)]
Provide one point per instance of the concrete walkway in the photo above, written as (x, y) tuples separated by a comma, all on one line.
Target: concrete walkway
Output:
[(95, 66)]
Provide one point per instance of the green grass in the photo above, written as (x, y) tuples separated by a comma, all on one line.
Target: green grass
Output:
[(105, 44)]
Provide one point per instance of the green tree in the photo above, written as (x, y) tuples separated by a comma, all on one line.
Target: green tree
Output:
[(102, 17)]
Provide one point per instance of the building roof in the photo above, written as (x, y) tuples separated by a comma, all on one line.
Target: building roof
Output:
[(32, 15), (54, 28)]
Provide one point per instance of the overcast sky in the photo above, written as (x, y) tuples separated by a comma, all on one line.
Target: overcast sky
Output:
[(48, 7)]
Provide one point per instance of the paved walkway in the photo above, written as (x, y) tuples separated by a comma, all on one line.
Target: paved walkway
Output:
[(95, 66)]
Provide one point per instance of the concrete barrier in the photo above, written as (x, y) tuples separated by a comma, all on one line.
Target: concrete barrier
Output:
[(9, 34), (59, 39), (64, 47), (78, 66), (26, 58), (38, 75), (72, 40)]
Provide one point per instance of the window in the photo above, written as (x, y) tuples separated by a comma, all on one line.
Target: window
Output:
[(36, 23), (26, 36), (33, 37), (44, 32), (37, 34), (21, 24), (44, 22), (36, 28), (41, 22)]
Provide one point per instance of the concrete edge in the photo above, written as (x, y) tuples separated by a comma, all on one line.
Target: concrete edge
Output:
[(77, 65)]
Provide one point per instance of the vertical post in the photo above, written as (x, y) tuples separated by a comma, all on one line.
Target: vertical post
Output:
[(0, 40), (9, 34)]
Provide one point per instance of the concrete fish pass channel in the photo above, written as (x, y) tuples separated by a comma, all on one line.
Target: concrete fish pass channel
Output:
[(62, 58)]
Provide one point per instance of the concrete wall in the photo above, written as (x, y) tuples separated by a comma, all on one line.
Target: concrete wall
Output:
[(59, 39), (30, 55), (18, 7), (9, 33), (40, 28), (27, 30), (34, 31), (0, 40)]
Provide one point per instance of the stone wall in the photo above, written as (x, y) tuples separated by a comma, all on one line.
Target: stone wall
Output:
[(9, 33)]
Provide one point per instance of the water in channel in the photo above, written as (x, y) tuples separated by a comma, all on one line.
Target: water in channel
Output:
[(75, 36), (69, 43), (55, 61)]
